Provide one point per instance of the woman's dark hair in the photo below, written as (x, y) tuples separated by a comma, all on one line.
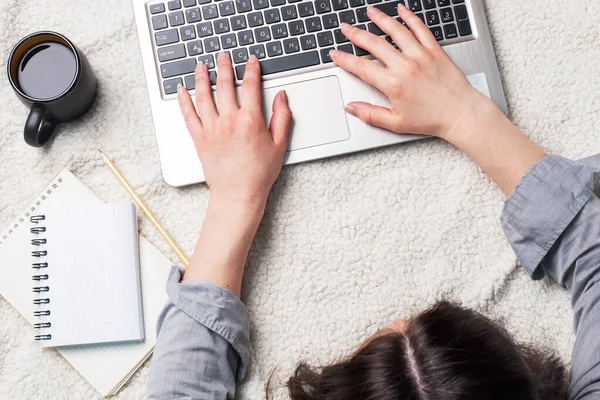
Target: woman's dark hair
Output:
[(446, 353)]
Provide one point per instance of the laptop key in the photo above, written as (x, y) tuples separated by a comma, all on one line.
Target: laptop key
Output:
[(291, 45), (187, 33), (428, 4), (272, 16), (189, 3), (171, 53), (325, 57), (212, 77), (450, 31), (262, 34), (166, 37), (279, 31), (239, 55), (325, 39), (447, 15), (212, 44), (170, 85), (282, 64), (348, 17), (308, 42), (193, 15), (259, 51), (255, 19), (226, 8), (357, 3), (339, 36), (157, 8), (195, 48), (306, 9), (175, 68), (421, 16), (390, 8), (330, 21), (174, 5), (432, 17), (313, 24), (228, 41), (245, 38), (190, 82), (274, 49), (361, 14), (374, 29), (461, 12), (340, 4), (207, 60), (238, 22), (176, 18), (221, 25), (322, 6), (260, 4), (443, 3), (373, 1), (296, 28), (346, 48), (437, 33), (464, 27), (415, 5), (243, 6), (204, 29), (359, 51), (210, 11), (159, 22), (289, 12)]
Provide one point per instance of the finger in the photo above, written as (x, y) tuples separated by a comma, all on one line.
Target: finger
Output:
[(226, 97), (417, 27), (205, 103), (281, 121), (367, 70), (401, 35), (251, 93), (375, 45), (192, 121), (375, 115)]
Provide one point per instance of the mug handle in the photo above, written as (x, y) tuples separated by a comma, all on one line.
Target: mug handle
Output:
[(39, 127)]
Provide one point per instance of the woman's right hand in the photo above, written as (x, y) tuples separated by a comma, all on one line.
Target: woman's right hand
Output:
[(428, 93)]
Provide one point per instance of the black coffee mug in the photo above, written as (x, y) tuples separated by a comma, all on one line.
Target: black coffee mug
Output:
[(52, 77)]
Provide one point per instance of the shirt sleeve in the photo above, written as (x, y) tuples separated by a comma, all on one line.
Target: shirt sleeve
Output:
[(202, 348), (552, 221)]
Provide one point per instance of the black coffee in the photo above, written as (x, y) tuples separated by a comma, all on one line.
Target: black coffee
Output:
[(47, 71)]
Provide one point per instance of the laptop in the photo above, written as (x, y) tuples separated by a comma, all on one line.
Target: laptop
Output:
[(292, 40)]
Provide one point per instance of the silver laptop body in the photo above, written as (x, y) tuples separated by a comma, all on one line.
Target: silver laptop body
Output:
[(317, 92)]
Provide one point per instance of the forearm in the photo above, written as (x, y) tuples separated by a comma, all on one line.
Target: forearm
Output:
[(227, 234), (502, 151)]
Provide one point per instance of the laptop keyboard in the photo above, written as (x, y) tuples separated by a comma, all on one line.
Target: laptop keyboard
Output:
[(285, 35)]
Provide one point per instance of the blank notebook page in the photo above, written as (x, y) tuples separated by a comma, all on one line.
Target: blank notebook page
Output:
[(93, 275)]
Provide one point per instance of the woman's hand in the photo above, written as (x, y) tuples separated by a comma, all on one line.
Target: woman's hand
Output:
[(241, 156), (427, 91)]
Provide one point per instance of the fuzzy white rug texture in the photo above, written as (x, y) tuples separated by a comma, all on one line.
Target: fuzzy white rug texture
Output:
[(347, 244)]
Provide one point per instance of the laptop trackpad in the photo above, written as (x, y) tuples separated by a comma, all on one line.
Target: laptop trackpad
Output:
[(317, 106)]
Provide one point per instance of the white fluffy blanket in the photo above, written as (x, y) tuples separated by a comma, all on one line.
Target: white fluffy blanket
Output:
[(347, 244)]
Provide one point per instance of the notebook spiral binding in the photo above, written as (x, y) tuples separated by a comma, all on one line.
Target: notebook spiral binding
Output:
[(40, 277)]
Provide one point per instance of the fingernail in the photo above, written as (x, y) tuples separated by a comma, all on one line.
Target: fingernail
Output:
[(252, 59), (345, 27), (179, 90), (350, 110), (373, 10), (200, 66), (284, 96), (222, 56), (402, 8), (334, 53)]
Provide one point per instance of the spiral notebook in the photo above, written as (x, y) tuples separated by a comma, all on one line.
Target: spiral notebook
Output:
[(85, 272), (107, 367)]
